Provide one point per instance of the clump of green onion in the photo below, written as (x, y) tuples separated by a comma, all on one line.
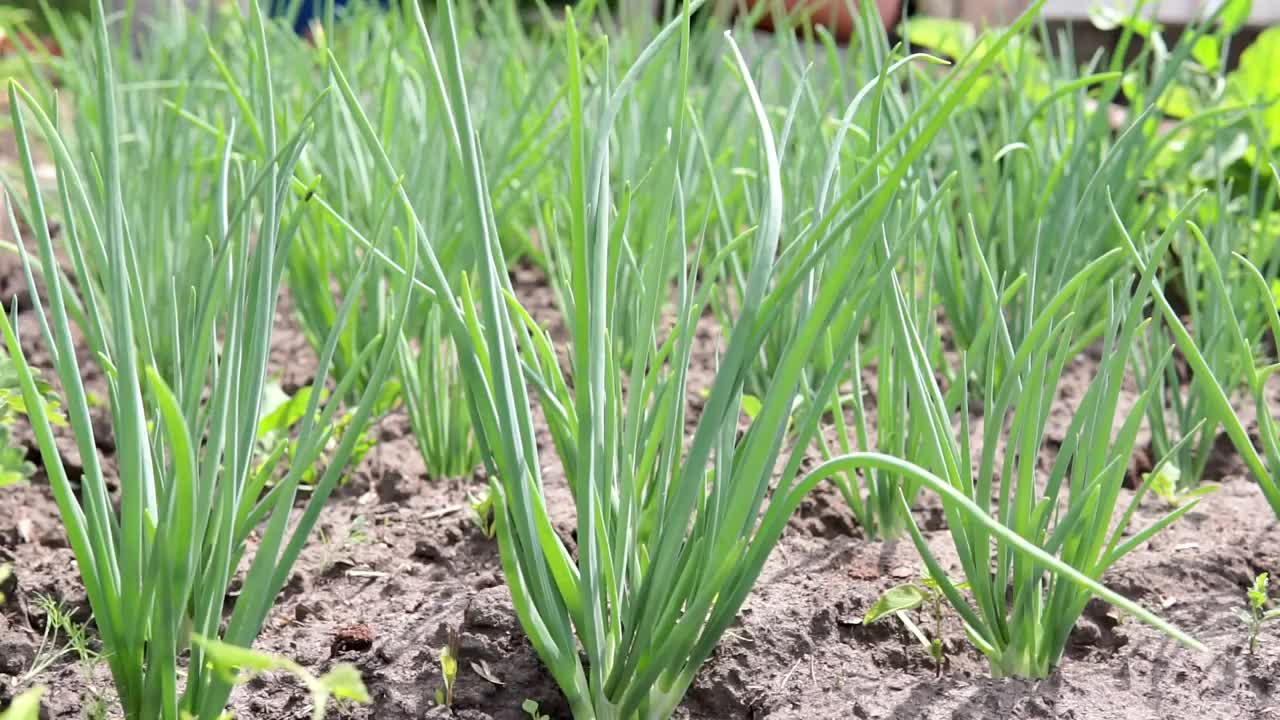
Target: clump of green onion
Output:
[(435, 400), (1021, 615), (1251, 296), (1218, 409), (377, 52), (157, 565), (1040, 151), (168, 95)]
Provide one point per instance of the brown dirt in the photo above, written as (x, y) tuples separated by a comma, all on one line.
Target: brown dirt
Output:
[(398, 562)]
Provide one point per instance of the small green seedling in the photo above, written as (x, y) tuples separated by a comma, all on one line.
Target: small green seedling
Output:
[(282, 414), (358, 533), (14, 466), (904, 598), (531, 707), (63, 635), (24, 707), (1165, 484), (448, 669), (60, 620), (482, 509), (333, 549), (752, 405), (5, 572), (1256, 614), (237, 665)]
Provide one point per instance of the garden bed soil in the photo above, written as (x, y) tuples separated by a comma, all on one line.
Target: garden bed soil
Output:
[(397, 561)]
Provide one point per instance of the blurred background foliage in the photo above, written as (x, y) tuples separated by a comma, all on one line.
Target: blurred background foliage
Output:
[(28, 12)]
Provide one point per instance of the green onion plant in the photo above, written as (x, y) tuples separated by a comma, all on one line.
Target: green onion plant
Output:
[(435, 400), (1256, 371), (168, 215), (157, 560), (851, 98), (1036, 153), (1217, 400), (358, 213), (1021, 615), (1178, 416)]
